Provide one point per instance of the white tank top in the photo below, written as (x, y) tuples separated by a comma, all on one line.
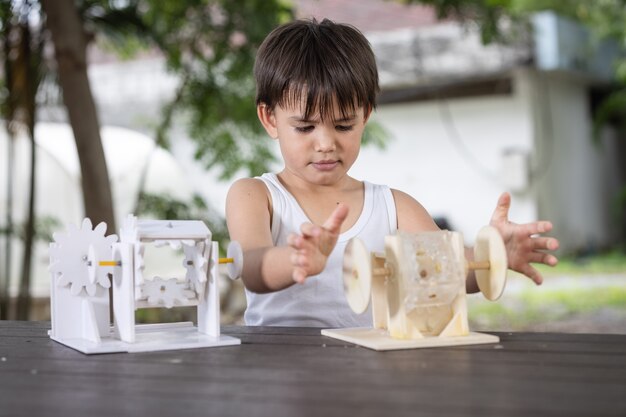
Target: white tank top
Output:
[(320, 301)]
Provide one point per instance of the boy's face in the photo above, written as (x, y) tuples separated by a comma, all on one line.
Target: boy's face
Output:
[(318, 152)]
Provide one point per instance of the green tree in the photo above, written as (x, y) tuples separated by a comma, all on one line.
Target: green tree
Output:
[(211, 46)]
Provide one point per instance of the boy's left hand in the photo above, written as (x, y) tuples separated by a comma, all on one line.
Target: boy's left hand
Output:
[(522, 241)]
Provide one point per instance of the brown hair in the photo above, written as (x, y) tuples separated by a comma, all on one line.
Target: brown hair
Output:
[(322, 60)]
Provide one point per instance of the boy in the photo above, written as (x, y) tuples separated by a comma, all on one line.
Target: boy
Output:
[(316, 88)]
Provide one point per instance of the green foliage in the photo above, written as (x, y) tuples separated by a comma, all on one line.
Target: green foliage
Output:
[(375, 134), (611, 110), (118, 25), (211, 45), (44, 228)]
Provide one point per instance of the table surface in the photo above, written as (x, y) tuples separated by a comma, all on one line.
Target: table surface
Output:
[(279, 371)]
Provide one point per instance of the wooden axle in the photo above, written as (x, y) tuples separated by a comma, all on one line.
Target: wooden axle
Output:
[(478, 265)]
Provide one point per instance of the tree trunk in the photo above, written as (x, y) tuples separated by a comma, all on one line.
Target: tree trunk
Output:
[(28, 93), (8, 236), (70, 43), (23, 296)]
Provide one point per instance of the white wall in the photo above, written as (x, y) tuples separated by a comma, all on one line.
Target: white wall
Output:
[(581, 179), (449, 155)]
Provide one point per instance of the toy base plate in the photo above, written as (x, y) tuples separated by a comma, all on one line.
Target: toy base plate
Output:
[(378, 339), (151, 338)]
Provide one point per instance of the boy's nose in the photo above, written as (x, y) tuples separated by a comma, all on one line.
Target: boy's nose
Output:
[(325, 142)]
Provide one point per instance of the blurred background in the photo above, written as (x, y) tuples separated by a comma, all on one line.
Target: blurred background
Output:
[(112, 107)]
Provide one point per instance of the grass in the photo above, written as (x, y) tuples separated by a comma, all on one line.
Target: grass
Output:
[(531, 307), (576, 287), (612, 262)]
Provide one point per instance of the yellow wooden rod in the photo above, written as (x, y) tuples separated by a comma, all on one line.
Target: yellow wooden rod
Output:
[(478, 265), (226, 260), (109, 263)]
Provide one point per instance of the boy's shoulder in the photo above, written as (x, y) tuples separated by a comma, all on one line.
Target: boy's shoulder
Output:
[(412, 216), (247, 193), (247, 186)]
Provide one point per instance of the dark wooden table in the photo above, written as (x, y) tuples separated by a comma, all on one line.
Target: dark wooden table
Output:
[(298, 372)]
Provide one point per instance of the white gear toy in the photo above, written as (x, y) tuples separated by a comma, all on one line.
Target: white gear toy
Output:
[(417, 289), (71, 269), (84, 262)]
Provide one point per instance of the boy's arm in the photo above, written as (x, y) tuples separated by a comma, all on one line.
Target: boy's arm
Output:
[(248, 219), (266, 267)]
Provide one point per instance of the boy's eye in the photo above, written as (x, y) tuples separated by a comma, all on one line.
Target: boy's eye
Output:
[(304, 129), (344, 128)]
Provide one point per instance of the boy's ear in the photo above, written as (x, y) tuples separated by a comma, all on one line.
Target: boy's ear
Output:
[(268, 119)]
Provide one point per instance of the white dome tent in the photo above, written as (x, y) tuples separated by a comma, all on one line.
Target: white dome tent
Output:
[(58, 186)]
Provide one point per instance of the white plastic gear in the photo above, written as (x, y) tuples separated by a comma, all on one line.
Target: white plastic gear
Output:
[(196, 264), (166, 291), (69, 257)]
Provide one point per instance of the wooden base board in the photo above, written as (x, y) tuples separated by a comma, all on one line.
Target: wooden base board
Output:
[(380, 340), (152, 337)]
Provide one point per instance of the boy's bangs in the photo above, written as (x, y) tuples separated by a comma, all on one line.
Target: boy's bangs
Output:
[(321, 99)]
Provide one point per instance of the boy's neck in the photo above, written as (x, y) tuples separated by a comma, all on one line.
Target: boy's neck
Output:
[(318, 201), (294, 183)]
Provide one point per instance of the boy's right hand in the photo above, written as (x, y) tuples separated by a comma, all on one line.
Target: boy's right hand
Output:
[(313, 247)]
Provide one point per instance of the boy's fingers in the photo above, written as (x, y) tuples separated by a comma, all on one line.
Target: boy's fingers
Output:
[(542, 258), (501, 213), (294, 258), (532, 273), (310, 230), (535, 228), (299, 275), (333, 223), (545, 243), (295, 241)]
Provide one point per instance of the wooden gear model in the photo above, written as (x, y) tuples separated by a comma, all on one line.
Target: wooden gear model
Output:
[(417, 289), (84, 263)]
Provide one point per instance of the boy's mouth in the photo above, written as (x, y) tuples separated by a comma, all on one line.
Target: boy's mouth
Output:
[(325, 165)]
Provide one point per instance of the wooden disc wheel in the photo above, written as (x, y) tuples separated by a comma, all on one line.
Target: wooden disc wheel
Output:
[(357, 275), (489, 250)]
